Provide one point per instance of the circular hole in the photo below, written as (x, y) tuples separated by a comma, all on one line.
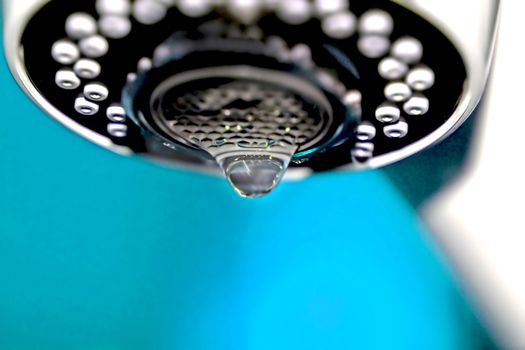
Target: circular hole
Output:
[(398, 92), (392, 69), (339, 25), (376, 22), (194, 8), (363, 151), (65, 57), (396, 131), (117, 130), (366, 131), (94, 46), (388, 113), (80, 25), (417, 105), (65, 52), (415, 111), (113, 7), (294, 11), (149, 11), (86, 107), (324, 7), (421, 78), (408, 50), (245, 11), (373, 46), (96, 91), (87, 69), (67, 79), (115, 27)]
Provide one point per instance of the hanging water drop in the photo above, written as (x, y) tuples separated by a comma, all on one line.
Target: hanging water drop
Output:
[(254, 176), (251, 128)]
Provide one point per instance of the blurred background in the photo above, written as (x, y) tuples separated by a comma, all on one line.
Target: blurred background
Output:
[(102, 252)]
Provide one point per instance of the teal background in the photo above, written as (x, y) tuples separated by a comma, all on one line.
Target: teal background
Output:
[(99, 251)]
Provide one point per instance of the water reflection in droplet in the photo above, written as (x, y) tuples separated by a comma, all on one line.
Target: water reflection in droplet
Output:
[(254, 176)]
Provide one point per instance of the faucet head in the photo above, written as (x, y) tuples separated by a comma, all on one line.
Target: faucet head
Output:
[(256, 90)]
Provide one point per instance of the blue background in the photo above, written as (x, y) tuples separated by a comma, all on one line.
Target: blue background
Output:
[(98, 251)]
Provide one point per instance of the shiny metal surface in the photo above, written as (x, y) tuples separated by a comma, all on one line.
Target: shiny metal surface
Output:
[(18, 14)]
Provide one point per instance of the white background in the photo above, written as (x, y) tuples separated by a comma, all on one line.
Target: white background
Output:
[(480, 220)]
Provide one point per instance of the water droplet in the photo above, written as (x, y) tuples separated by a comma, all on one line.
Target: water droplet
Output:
[(245, 132), (254, 176)]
